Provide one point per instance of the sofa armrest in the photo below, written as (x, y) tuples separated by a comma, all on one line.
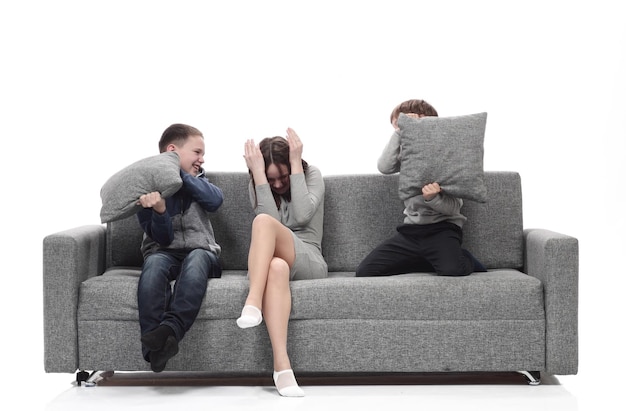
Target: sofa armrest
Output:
[(69, 258), (553, 258)]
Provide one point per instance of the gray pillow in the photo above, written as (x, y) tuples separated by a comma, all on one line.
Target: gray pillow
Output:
[(446, 150), (122, 190)]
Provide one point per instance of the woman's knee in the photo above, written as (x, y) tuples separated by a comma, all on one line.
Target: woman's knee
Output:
[(263, 221), (278, 271)]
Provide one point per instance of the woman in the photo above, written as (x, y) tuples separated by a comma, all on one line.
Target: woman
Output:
[(287, 195)]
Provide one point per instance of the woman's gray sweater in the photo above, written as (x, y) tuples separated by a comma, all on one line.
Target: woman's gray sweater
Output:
[(304, 214)]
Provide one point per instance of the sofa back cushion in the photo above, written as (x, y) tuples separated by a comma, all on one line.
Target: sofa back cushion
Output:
[(494, 230), (232, 223), (363, 210), (360, 211)]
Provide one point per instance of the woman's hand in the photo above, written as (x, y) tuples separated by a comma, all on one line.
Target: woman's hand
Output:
[(295, 151), (255, 162)]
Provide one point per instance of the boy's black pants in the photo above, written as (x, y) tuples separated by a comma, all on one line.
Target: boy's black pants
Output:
[(421, 248)]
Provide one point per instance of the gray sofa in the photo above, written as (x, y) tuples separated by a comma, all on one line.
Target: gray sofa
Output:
[(519, 316)]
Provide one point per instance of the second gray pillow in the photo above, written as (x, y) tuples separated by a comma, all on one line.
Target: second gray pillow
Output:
[(446, 150)]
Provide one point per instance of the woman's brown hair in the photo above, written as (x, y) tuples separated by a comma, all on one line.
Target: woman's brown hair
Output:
[(275, 150)]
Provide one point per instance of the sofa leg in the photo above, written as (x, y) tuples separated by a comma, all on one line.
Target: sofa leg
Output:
[(533, 377), (81, 377), (91, 380)]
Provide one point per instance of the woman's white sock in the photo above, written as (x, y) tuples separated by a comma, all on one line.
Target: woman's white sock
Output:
[(250, 317), (286, 384)]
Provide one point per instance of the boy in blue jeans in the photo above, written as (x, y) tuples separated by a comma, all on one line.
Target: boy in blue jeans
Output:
[(178, 245), (431, 236)]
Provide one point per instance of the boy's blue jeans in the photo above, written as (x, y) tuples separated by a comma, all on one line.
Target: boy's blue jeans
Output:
[(177, 306)]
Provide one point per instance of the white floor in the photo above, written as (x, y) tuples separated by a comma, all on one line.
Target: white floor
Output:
[(567, 393)]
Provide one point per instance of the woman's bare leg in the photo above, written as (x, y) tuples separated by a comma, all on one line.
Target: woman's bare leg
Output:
[(269, 239), (271, 255), (276, 309)]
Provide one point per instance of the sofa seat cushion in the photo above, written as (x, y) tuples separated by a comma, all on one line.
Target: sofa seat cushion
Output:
[(498, 294), (113, 295), (505, 294)]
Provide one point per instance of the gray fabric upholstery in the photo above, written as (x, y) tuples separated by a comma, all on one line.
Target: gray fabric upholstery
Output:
[(120, 192), (497, 294), (446, 150), (550, 258), (520, 315), (69, 258), (493, 231), (360, 212), (232, 223)]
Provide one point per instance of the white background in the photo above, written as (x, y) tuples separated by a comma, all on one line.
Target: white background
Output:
[(86, 87)]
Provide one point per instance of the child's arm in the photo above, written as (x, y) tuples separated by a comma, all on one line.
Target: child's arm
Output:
[(208, 195), (440, 201), (154, 218), (389, 160)]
